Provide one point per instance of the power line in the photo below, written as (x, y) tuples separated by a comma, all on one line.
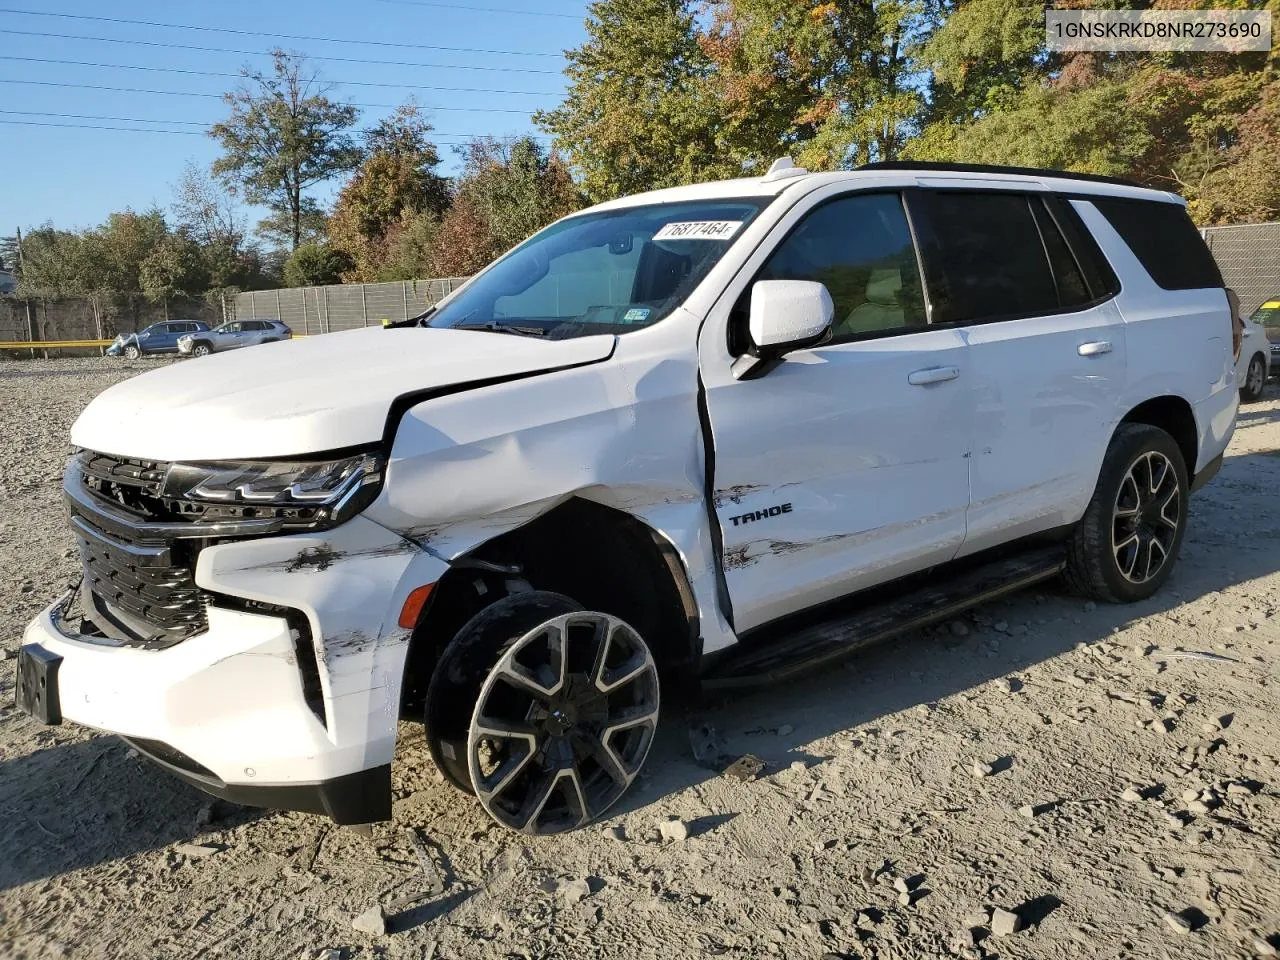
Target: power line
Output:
[(274, 36), (456, 138), (218, 96), (262, 53), (459, 6), (237, 76), (432, 135)]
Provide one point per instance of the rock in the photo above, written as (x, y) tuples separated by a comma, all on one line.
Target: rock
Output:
[(327, 953), (745, 768), (1004, 922), (1263, 947), (615, 832), (1090, 606), (798, 766), (196, 851), (786, 730), (981, 769), (958, 628), (1239, 789), (1188, 796), (704, 742), (673, 829), (1027, 811), (905, 898), (901, 885), (1177, 923), (574, 891), (924, 710), (1004, 685), (373, 921), (1000, 626), (204, 816), (1198, 807), (1133, 795)]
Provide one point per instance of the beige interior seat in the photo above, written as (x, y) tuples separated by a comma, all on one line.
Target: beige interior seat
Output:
[(882, 310)]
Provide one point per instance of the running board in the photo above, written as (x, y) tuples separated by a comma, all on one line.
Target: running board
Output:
[(813, 646)]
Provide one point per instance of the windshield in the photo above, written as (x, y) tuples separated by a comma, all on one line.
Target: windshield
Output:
[(1268, 315), (608, 272)]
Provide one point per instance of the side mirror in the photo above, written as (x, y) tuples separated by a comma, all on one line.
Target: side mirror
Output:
[(786, 315)]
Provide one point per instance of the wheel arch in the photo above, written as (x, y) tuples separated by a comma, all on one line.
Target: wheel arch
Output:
[(1175, 416), (602, 557)]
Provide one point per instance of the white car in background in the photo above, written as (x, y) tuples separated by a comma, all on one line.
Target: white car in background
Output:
[(1254, 366)]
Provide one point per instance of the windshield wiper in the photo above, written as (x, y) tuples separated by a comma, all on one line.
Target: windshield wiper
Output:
[(494, 327)]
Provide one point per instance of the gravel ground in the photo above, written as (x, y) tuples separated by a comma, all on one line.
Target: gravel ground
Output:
[(1080, 772)]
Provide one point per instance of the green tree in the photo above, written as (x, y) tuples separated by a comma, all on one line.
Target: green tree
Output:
[(53, 263), (635, 117), (509, 189), (284, 135), (313, 264), (395, 186), (176, 267)]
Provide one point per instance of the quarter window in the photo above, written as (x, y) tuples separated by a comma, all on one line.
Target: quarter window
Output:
[(860, 247)]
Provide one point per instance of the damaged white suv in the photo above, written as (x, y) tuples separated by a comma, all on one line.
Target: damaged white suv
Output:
[(717, 434)]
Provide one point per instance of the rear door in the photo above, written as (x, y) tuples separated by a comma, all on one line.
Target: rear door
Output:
[(1018, 277)]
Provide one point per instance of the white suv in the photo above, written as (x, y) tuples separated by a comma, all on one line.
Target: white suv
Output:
[(717, 433)]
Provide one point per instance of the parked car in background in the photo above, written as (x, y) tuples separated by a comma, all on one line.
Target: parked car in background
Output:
[(1256, 356), (237, 333), (157, 338), (1267, 317)]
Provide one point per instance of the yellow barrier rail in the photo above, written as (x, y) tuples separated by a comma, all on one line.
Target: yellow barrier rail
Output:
[(54, 344)]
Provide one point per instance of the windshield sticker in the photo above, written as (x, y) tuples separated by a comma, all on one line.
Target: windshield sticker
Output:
[(636, 315), (699, 230)]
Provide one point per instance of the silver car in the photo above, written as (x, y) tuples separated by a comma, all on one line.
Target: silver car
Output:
[(229, 336)]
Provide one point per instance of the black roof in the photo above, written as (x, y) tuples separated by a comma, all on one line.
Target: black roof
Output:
[(994, 169)]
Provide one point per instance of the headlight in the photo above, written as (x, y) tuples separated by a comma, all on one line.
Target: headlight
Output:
[(304, 493)]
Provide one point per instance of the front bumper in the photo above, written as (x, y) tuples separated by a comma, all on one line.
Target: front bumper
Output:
[(229, 709)]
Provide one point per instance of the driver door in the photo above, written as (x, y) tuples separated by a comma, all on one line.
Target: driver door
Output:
[(847, 465)]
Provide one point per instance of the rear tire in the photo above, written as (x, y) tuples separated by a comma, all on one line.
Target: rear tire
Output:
[(1125, 545), (1255, 380), (543, 710)]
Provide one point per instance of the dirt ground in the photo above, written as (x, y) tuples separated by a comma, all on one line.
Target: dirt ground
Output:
[(1127, 807)]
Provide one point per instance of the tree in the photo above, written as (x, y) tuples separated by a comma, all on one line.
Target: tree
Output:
[(284, 135), (393, 187), (313, 264), (176, 267), (635, 116), (509, 189)]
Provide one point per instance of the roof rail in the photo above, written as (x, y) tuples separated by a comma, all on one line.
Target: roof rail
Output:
[(995, 169)]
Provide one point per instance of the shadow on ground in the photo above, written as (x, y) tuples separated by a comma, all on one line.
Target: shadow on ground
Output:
[(137, 807)]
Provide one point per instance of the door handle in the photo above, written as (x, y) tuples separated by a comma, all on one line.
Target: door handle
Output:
[(922, 378), (1094, 349)]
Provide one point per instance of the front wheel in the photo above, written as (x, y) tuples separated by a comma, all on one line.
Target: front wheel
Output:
[(131, 352), (563, 705), (1255, 380), (200, 350), (1125, 545)]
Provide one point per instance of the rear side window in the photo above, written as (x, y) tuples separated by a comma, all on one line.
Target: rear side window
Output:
[(1165, 241), (984, 257), (1073, 291)]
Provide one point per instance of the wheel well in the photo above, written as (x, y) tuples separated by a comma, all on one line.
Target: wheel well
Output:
[(1174, 416), (605, 559)]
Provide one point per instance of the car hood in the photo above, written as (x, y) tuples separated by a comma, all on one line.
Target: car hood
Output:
[(305, 396)]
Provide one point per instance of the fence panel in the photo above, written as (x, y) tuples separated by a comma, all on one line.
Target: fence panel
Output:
[(348, 306), (1249, 257)]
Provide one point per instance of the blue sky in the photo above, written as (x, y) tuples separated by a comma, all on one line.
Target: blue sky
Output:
[(74, 175)]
